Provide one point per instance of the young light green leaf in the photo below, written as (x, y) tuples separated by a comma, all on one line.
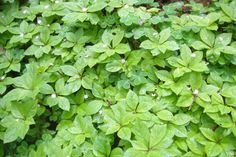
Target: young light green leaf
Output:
[(208, 133), (158, 132), (185, 100), (165, 115), (185, 54), (132, 99), (69, 70), (147, 44), (213, 149), (207, 37), (181, 119), (92, 107), (124, 133), (164, 35), (113, 66), (101, 146)]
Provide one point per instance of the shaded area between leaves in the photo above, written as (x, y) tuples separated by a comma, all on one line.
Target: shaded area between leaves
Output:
[(164, 2)]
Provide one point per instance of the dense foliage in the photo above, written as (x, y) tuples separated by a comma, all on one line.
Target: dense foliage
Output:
[(117, 78)]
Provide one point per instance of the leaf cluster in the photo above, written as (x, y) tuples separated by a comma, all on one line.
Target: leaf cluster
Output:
[(117, 78)]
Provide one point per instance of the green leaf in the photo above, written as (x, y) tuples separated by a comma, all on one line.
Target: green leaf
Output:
[(45, 35), (54, 40), (98, 90), (59, 85), (171, 45), (122, 48), (180, 131), (229, 91), (74, 86), (107, 37), (155, 52), (97, 6), (73, 17), (117, 152), (207, 37), (145, 104), (113, 66), (24, 26), (63, 103), (185, 54), (213, 149), (132, 99), (134, 152), (164, 75), (164, 35), (182, 145), (180, 72), (101, 146), (208, 133), (15, 128), (195, 80), (25, 109), (69, 70), (185, 100), (228, 10), (46, 89), (181, 119), (124, 133), (223, 39), (117, 78), (198, 45), (195, 147), (119, 34), (158, 132), (229, 50), (147, 44), (198, 67), (15, 39), (18, 94), (165, 115), (92, 107)]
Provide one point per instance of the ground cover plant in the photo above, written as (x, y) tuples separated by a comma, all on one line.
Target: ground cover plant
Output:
[(117, 78)]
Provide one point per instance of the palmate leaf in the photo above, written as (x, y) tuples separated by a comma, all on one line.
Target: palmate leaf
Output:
[(229, 10), (25, 109), (149, 143), (116, 119), (162, 44), (215, 45), (15, 128), (28, 85)]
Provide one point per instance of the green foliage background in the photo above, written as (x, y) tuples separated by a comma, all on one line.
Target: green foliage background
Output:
[(117, 78)]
